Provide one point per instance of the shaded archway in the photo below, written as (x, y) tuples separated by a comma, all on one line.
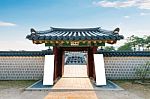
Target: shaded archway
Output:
[(59, 60)]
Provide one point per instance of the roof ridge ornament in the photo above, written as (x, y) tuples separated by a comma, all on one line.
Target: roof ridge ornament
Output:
[(51, 28), (116, 31), (99, 27), (32, 31)]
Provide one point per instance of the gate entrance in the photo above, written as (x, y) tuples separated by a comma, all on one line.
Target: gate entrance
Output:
[(59, 53), (75, 64), (86, 39)]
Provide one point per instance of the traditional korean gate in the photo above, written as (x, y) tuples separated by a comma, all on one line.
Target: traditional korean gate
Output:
[(64, 39)]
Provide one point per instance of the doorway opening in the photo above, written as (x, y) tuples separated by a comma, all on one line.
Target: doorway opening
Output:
[(59, 53), (76, 67), (75, 64)]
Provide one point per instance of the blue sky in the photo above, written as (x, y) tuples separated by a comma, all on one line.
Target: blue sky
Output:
[(18, 16)]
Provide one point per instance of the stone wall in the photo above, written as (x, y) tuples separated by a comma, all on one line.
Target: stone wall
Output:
[(123, 67), (21, 67), (30, 67)]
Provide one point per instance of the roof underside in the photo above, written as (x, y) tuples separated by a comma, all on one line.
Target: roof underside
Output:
[(74, 34)]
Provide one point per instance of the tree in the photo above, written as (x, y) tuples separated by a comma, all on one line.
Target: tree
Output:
[(144, 71), (109, 48), (125, 47), (136, 43), (147, 42)]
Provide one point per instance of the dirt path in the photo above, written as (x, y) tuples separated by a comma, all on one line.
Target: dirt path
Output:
[(72, 95), (14, 93)]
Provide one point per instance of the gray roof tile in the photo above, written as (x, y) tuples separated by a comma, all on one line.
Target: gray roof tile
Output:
[(74, 34)]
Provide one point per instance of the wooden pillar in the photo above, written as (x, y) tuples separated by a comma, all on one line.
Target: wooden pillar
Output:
[(57, 62), (91, 67), (94, 51), (63, 62), (55, 51), (90, 62), (59, 65)]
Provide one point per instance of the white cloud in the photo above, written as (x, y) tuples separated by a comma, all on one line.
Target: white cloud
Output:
[(144, 4), (141, 4), (6, 24), (127, 17), (144, 14)]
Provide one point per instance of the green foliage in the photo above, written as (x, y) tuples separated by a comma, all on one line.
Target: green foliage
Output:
[(125, 47), (144, 71), (136, 43), (15, 84), (147, 41), (109, 48)]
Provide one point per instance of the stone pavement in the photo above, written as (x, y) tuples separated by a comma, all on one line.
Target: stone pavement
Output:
[(73, 83), (76, 82), (75, 71)]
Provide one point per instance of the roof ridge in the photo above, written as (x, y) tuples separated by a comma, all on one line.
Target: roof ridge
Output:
[(75, 29)]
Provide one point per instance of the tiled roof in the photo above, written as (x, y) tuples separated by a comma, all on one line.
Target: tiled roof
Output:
[(124, 53), (25, 53), (105, 53), (75, 34)]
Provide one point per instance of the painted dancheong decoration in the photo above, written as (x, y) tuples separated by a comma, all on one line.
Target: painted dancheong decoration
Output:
[(71, 39)]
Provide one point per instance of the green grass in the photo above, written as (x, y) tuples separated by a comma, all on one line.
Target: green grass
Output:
[(16, 84), (129, 84)]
